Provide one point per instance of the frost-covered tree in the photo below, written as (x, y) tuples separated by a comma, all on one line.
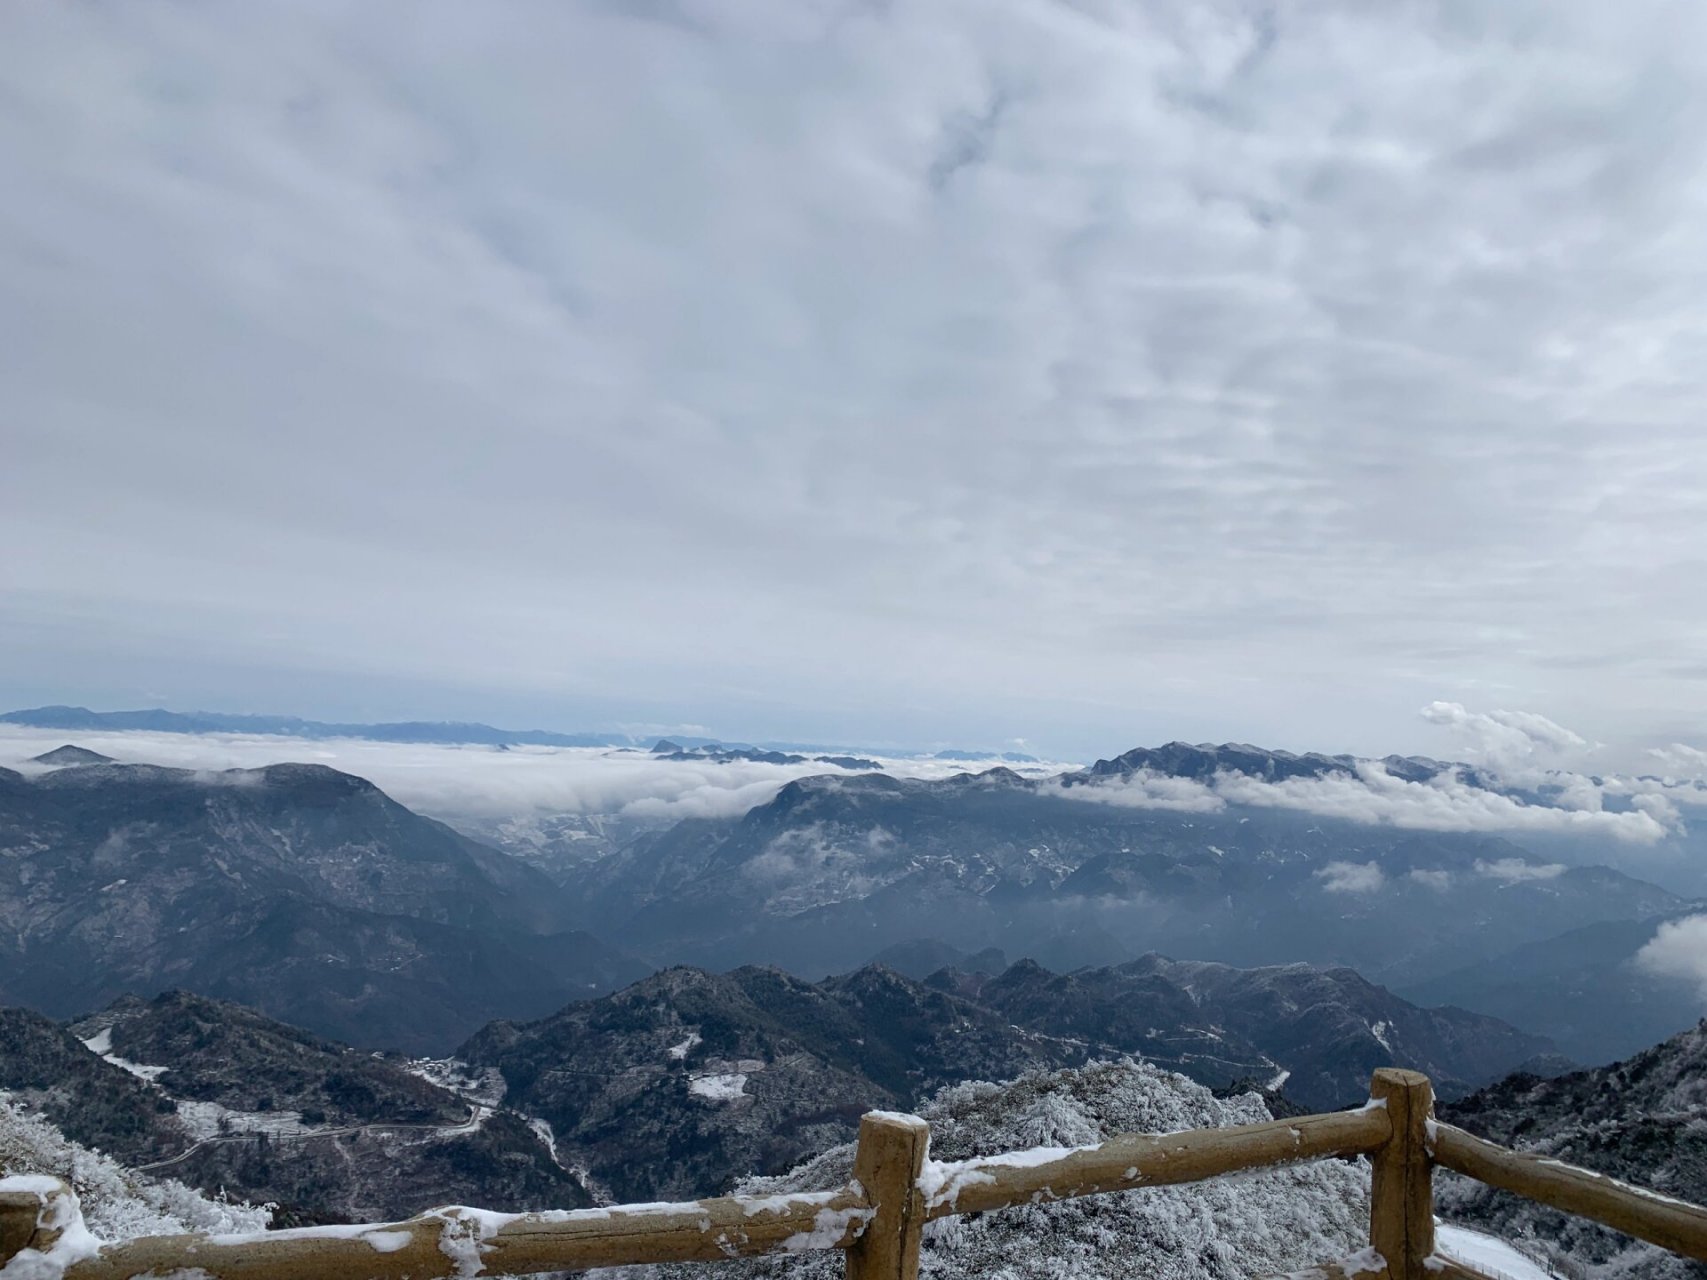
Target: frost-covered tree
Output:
[(1260, 1223), (117, 1203)]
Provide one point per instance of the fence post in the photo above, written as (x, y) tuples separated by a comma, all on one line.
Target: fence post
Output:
[(1401, 1193), (887, 1163)]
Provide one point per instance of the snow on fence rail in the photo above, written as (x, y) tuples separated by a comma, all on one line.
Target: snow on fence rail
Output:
[(879, 1216)]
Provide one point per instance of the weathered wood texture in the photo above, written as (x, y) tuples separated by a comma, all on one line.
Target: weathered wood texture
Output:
[(1147, 1160), (887, 1163), (1671, 1224), (34, 1213), (1401, 1192), (452, 1242), (18, 1213)]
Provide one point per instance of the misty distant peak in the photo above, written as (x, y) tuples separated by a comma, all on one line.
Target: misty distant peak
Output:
[(1204, 760), (71, 754)]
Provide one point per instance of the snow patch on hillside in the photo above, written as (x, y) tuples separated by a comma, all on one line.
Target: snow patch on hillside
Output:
[(210, 1120), (102, 1043), (680, 1051), (719, 1088), (481, 1086)]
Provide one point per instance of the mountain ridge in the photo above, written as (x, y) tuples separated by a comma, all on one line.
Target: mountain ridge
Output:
[(689, 1079), (294, 887)]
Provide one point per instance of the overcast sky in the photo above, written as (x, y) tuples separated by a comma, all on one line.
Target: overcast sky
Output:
[(1084, 373)]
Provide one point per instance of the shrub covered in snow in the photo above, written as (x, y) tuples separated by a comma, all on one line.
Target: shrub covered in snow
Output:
[(117, 1202), (1260, 1223)]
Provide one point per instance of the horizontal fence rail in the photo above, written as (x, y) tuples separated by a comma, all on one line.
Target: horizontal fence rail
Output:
[(1147, 1160), (1672, 1224), (878, 1218)]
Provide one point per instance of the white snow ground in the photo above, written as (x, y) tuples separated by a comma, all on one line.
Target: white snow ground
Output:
[(1488, 1254)]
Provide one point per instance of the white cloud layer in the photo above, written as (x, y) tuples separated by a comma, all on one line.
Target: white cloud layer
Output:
[(984, 366), (476, 781), (1352, 877), (1510, 742), (1678, 949), (1373, 795)]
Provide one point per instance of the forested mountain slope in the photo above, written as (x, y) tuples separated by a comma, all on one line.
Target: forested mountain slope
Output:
[(1077, 871), (224, 1098), (687, 1080), (299, 890), (1643, 1120)]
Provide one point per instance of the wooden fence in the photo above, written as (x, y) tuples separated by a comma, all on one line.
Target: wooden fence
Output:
[(877, 1219)]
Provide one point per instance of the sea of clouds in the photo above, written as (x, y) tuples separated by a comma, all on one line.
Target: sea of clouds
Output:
[(1521, 755), (478, 780), (1547, 766)]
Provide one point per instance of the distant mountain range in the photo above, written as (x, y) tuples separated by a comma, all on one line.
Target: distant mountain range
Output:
[(297, 889), (446, 732), (312, 896), (835, 869), (296, 896), (156, 720)]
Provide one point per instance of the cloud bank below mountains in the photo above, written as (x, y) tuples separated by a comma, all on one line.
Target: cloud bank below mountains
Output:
[(478, 781), (1373, 796), (1517, 751), (1533, 768)]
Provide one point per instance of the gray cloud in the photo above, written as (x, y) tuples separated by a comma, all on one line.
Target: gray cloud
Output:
[(1093, 372)]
